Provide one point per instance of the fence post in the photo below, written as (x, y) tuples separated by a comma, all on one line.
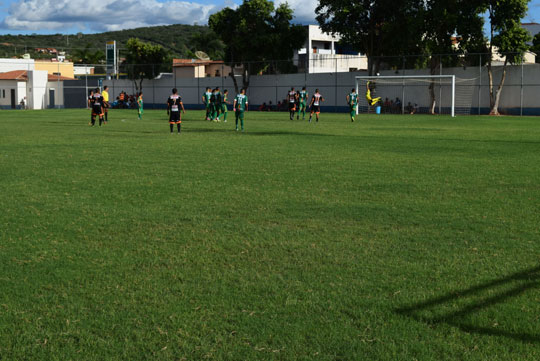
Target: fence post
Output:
[(153, 86), (479, 83), (86, 85), (521, 95), (335, 86), (58, 88), (440, 84)]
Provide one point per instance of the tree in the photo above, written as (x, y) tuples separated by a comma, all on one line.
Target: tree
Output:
[(255, 34), (374, 28), (87, 55), (451, 28), (208, 42), (506, 38), (145, 61)]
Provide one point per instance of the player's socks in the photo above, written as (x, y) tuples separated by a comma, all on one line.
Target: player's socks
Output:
[(172, 127), (179, 127)]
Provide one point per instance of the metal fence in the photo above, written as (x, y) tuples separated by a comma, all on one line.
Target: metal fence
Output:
[(333, 75)]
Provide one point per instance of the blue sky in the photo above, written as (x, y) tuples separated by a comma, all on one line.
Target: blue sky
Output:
[(72, 16)]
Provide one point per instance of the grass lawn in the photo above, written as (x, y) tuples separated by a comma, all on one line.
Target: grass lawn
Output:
[(391, 238)]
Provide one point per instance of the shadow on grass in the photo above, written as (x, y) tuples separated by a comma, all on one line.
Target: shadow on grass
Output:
[(521, 282)]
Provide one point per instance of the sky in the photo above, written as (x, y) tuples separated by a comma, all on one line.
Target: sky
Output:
[(73, 16)]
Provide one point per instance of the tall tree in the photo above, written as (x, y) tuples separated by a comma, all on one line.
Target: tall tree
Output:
[(87, 55), (145, 61), (506, 38), (450, 28), (536, 47), (375, 28), (208, 42), (255, 34)]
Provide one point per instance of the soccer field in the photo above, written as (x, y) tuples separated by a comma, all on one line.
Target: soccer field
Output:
[(391, 238)]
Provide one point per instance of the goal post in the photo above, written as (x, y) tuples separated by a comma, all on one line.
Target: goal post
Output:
[(408, 94)]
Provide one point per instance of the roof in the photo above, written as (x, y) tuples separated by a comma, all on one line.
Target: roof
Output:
[(14, 75), (194, 62), (22, 75)]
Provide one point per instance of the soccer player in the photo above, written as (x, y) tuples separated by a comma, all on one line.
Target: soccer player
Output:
[(206, 101), (217, 104), (106, 104), (302, 103), (89, 104), (140, 104), (224, 102), (239, 106), (292, 96), (96, 102), (315, 104), (371, 101), (352, 100), (174, 103)]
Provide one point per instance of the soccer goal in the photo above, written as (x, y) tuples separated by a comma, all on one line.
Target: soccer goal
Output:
[(407, 94)]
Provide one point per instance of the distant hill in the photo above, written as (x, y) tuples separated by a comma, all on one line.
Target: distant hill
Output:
[(181, 40)]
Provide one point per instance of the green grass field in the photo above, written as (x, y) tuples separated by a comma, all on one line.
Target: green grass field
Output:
[(393, 238)]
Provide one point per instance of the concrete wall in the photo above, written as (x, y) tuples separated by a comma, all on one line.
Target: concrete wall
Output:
[(5, 92), (472, 93), (16, 64), (37, 87)]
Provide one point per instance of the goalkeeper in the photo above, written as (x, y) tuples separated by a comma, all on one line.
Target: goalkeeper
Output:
[(371, 101)]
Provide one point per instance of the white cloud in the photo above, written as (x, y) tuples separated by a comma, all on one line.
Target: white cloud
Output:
[(106, 15), (304, 10)]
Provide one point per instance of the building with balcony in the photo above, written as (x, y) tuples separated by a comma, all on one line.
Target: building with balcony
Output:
[(322, 53)]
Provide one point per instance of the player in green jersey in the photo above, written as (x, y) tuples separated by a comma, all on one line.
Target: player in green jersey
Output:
[(224, 102), (217, 104), (302, 103), (140, 104), (240, 105), (352, 100), (206, 102)]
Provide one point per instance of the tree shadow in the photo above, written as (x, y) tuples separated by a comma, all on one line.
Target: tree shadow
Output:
[(519, 283)]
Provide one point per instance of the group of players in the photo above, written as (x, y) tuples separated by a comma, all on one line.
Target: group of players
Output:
[(298, 103), (98, 102), (216, 105)]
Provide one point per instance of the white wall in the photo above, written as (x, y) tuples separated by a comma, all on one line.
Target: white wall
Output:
[(16, 64), (37, 87), (5, 92)]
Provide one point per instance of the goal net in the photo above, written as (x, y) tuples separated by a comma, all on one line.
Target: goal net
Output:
[(407, 94)]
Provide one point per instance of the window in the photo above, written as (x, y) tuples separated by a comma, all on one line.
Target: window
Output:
[(3, 93)]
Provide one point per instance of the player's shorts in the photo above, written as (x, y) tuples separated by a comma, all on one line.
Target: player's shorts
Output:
[(302, 105), (292, 107), (240, 114), (316, 109), (174, 118), (97, 110), (223, 108)]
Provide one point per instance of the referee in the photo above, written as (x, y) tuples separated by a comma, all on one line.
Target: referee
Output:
[(106, 104)]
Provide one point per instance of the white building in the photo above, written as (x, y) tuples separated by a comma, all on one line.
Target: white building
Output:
[(16, 64), (322, 54), (37, 88)]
